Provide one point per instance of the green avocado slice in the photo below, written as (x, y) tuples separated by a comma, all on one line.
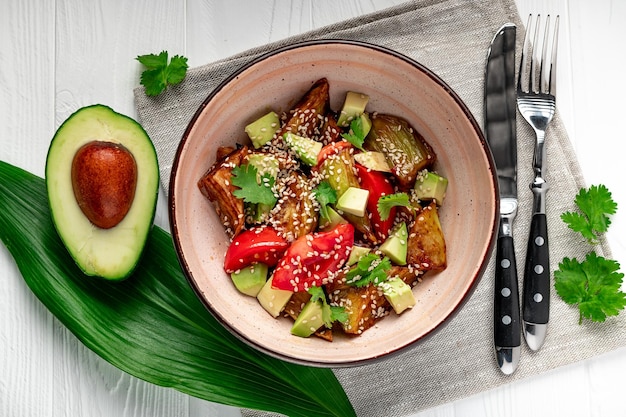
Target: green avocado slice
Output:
[(309, 320), (111, 253)]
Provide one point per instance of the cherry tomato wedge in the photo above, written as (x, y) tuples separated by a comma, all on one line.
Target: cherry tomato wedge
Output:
[(259, 244), (378, 185), (331, 149), (313, 258)]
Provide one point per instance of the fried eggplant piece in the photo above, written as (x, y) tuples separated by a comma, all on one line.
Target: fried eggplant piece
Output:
[(408, 274), (426, 243), (366, 305), (295, 213), (216, 185), (307, 116), (324, 333), (296, 303), (406, 151), (223, 151), (363, 305), (331, 132)]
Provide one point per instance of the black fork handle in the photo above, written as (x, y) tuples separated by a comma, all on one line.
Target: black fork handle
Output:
[(536, 291)]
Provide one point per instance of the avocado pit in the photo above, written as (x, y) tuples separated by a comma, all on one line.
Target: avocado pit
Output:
[(104, 179)]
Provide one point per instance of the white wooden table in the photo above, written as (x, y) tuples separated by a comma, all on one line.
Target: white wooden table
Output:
[(56, 56)]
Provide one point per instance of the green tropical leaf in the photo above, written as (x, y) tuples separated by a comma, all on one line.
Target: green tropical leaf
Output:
[(152, 325)]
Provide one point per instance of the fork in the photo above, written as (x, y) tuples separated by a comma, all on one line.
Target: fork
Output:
[(536, 101)]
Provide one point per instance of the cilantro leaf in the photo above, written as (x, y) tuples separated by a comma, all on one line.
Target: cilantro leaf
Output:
[(153, 61), (338, 314), (177, 69), (250, 190), (386, 202), (369, 269), (356, 134), (330, 313), (579, 223), (593, 284), (317, 293), (595, 203), (159, 73), (325, 195)]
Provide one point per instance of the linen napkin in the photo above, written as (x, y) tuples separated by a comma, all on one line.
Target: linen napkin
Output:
[(450, 37)]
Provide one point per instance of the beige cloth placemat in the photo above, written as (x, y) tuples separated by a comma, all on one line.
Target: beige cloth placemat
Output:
[(450, 37)]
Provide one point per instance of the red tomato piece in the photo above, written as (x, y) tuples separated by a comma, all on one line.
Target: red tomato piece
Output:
[(260, 244), (378, 185), (313, 258), (331, 149)]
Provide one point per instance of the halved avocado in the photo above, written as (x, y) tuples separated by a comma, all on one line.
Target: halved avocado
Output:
[(106, 244)]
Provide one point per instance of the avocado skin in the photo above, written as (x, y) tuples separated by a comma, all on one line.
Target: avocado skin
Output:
[(111, 254)]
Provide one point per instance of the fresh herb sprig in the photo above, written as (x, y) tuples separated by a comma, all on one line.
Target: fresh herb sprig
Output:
[(325, 194), (371, 268), (386, 202), (595, 283), (595, 204), (356, 134), (250, 189), (160, 72), (330, 313)]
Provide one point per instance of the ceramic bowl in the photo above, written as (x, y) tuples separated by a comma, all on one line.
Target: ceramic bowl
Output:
[(396, 85)]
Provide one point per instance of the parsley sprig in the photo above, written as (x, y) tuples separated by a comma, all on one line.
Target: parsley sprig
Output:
[(252, 190), (595, 283), (160, 73)]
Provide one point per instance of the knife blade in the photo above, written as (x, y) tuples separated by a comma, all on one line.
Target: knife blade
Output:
[(500, 131)]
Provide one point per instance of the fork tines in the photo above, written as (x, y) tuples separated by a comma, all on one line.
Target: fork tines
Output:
[(542, 77)]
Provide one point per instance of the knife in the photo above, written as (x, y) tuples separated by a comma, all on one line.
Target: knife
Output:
[(500, 130)]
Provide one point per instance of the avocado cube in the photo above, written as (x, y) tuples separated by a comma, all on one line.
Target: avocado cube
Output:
[(399, 294), (306, 149), (373, 160), (272, 299), (333, 220), (366, 123), (309, 320), (353, 201), (264, 163), (395, 247), (430, 186), (263, 129), (251, 279), (357, 253), (353, 106)]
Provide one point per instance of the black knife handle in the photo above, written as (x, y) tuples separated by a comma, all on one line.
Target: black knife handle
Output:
[(536, 291), (507, 330)]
